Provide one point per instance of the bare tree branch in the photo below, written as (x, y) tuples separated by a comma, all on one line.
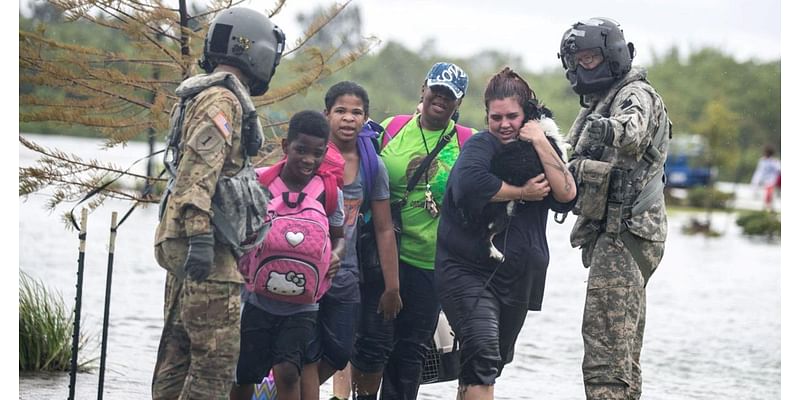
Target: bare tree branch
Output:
[(127, 92)]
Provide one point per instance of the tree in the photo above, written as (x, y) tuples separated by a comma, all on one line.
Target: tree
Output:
[(45, 12), (126, 91), (343, 33), (751, 90), (718, 125)]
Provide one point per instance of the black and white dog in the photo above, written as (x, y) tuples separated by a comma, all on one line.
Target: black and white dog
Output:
[(516, 163)]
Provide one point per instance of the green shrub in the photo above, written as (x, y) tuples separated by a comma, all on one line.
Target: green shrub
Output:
[(761, 223), (45, 329), (701, 195)]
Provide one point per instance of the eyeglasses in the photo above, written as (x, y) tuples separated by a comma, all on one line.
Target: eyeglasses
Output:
[(587, 57)]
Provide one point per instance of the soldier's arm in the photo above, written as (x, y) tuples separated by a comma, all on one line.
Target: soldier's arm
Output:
[(630, 114), (205, 148)]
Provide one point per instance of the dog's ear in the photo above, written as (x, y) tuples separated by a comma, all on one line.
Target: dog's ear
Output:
[(530, 110), (545, 112), (534, 110)]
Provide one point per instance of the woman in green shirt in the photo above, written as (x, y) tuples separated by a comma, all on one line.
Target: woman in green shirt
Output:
[(397, 348)]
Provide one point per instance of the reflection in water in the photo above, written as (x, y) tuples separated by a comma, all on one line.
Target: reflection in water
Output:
[(713, 308)]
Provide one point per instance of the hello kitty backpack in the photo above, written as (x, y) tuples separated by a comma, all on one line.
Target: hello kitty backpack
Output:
[(291, 263)]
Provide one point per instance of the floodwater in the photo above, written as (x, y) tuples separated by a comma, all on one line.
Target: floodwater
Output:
[(713, 312)]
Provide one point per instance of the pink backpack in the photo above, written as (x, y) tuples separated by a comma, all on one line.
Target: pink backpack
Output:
[(291, 263), (331, 170)]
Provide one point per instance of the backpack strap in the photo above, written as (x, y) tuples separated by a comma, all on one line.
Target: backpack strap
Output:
[(268, 175), (331, 190), (315, 187), (426, 162), (399, 121), (368, 156), (334, 163), (277, 187), (394, 126), (464, 134)]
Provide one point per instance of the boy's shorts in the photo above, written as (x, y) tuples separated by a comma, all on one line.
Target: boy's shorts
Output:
[(335, 333), (268, 339)]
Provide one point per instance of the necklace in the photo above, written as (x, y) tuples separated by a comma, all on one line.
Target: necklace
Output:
[(425, 141), (430, 202)]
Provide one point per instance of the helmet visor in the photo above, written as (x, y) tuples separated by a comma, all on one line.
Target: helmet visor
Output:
[(587, 58)]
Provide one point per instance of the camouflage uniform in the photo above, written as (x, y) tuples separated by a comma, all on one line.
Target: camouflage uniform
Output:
[(200, 342), (621, 255)]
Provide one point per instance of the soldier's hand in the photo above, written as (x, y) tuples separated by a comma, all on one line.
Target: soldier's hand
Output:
[(200, 257), (600, 130)]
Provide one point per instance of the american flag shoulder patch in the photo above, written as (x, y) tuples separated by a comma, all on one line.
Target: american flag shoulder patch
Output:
[(222, 124)]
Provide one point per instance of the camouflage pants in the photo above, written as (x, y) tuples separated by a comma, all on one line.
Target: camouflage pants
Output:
[(200, 344), (614, 317)]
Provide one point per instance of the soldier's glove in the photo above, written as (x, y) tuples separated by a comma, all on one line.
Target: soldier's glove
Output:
[(593, 139), (200, 257), (600, 130)]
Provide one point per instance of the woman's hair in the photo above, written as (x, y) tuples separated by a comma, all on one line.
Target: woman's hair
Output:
[(343, 88), (308, 122), (507, 83)]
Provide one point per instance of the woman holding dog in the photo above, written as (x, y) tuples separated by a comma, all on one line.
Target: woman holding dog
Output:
[(486, 301)]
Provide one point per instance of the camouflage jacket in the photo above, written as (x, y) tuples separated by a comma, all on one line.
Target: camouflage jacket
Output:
[(210, 146), (636, 111)]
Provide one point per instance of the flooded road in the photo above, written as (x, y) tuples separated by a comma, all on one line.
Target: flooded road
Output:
[(713, 313)]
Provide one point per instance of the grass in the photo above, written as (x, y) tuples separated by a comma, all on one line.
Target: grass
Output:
[(45, 329)]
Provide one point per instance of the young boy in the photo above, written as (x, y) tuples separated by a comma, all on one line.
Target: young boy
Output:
[(274, 334), (347, 110)]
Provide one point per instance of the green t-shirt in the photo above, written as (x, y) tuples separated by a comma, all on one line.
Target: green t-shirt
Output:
[(401, 156)]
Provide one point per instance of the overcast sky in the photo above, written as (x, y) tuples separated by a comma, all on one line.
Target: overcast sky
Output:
[(533, 29), (747, 29)]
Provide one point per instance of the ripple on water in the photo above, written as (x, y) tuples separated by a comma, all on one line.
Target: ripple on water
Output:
[(713, 312)]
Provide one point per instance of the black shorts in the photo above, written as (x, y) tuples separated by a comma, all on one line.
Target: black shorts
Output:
[(268, 339), (374, 336), (335, 333), (404, 339)]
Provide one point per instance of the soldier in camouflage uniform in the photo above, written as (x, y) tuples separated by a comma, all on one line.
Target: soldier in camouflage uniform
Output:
[(620, 142), (200, 341)]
